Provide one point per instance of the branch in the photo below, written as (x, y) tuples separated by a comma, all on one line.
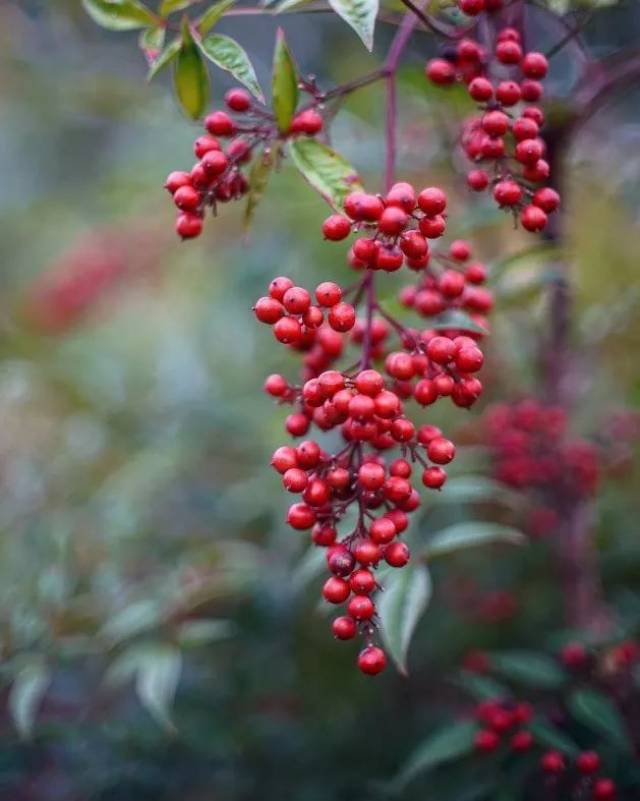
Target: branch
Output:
[(445, 31)]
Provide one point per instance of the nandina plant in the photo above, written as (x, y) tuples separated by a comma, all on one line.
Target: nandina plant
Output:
[(364, 370)]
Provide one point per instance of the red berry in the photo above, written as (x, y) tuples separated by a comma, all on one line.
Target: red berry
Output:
[(367, 552), (187, 198), (238, 100), (361, 206), (340, 560), (336, 590), (546, 199), (476, 273), (508, 93), (469, 360), (300, 516), (342, 317), (268, 310), (344, 628), (308, 122), (529, 151), (533, 218), (189, 225), (441, 350), (397, 554), (369, 382), (336, 227), (362, 581), (441, 450), (432, 201), (522, 741), (552, 762), (328, 293), (219, 123), (287, 330), (472, 7), (214, 163), (481, 89), (531, 91), (486, 741), (276, 385), (534, 65), (204, 144), (440, 71), (604, 790), (432, 227), (588, 762), (295, 480), (524, 128), (495, 123), (371, 476), (508, 52), (478, 180), (323, 535), (434, 477), (279, 286), (451, 283), (382, 530), (425, 392), (372, 660), (296, 300), (361, 607), (507, 193), (402, 195), (392, 221), (177, 179), (460, 250)]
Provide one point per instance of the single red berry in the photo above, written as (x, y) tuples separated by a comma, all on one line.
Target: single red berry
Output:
[(336, 227), (361, 607), (432, 201), (328, 293), (472, 7), (552, 762), (460, 250), (392, 221), (300, 516), (367, 552), (279, 286), (323, 535), (214, 163), (295, 480), (532, 91), (486, 741), (451, 283), (276, 385), (297, 424), (469, 360), (308, 122), (177, 179), (389, 258), (382, 530), (476, 273), (219, 123), (604, 790), (239, 151), (441, 349), (204, 144), (372, 660), (508, 52), (534, 113), (508, 93), (401, 468), (340, 560), (468, 50), (521, 741), (362, 206), (533, 218), (397, 554), (268, 310), (440, 71), (588, 762), (546, 199), (371, 476), (524, 128), (508, 34), (534, 65), (344, 628), (336, 590), (362, 581), (296, 300), (187, 198), (441, 450), (287, 330), (434, 477), (478, 180), (369, 382), (481, 89), (238, 100), (495, 123), (507, 193), (342, 317), (188, 225), (529, 151), (432, 227), (402, 195)]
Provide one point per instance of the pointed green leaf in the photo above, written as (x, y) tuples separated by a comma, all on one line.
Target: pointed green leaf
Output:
[(361, 15), (596, 711), (326, 171), (165, 58), (468, 535), (407, 594), (227, 54), (121, 15), (26, 694), (456, 319), (133, 619), (258, 180), (191, 78), (170, 6), (549, 736), (529, 668), (212, 15), (451, 742), (284, 83), (156, 682), (483, 688)]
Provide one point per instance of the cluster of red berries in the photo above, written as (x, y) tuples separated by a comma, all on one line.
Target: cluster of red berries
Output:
[(505, 137), (533, 450), (609, 663), (366, 405), (217, 176)]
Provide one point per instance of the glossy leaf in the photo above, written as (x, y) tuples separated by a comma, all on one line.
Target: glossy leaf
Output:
[(26, 694), (170, 6), (156, 682), (151, 42), (596, 711), (360, 15), (457, 319), (258, 179), (406, 596), (191, 78), (284, 83), (529, 668), (122, 15), (467, 535), (165, 58), (133, 619), (326, 171), (227, 54), (193, 633), (551, 737), (212, 15), (453, 741)]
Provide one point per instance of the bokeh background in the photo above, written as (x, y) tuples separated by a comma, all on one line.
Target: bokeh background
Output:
[(142, 539)]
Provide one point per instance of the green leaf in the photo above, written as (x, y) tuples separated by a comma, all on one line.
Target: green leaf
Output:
[(169, 6), (133, 619), (596, 711), (191, 78), (119, 15), (406, 596), (156, 682), (258, 180), (551, 737), (151, 42), (212, 15), (467, 535), (165, 58), (361, 15), (284, 83), (475, 489), (483, 688), (227, 54), (193, 633), (529, 668), (451, 742), (326, 171), (456, 319), (26, 694)]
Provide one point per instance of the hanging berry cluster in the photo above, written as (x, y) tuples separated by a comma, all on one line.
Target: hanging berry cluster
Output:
[(366, 401), (505, 137), (217, 176)]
